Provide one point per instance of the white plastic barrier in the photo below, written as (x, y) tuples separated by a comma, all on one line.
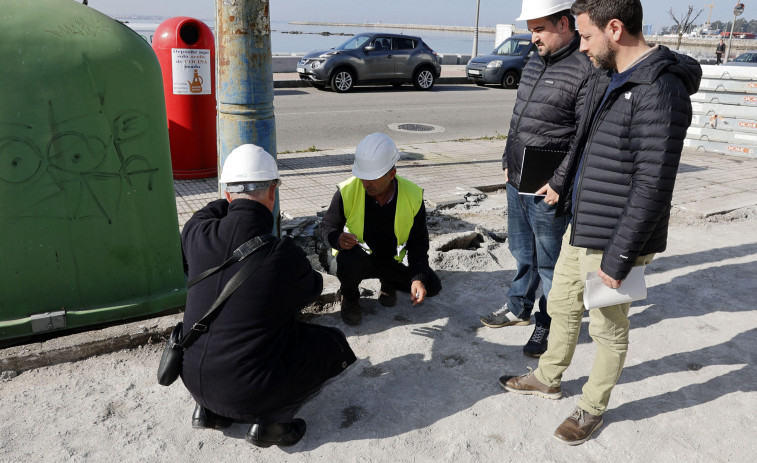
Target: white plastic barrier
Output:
[(725, 111)]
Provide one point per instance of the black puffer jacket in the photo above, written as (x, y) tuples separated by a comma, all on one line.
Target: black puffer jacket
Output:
[(631, 153), (544, 114), (255, 356)]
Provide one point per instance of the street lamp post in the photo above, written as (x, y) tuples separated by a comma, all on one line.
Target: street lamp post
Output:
[(475, 32), (737, 10)]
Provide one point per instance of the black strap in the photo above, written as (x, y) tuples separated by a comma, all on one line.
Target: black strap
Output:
[(244, 250), (248, 269)]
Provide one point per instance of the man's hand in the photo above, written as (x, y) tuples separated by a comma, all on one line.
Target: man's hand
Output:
[(347, 241), (551, 195), (506, 177), (607, 279), (417, 292)]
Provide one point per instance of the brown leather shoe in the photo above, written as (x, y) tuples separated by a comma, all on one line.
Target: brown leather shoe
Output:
[(528, 384), (352, 313), (578, 427)]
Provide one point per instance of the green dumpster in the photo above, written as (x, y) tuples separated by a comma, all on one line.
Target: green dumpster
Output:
[(89, 231)]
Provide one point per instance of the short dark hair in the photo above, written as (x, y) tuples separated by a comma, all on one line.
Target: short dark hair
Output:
[(554, 18), (601, 12)]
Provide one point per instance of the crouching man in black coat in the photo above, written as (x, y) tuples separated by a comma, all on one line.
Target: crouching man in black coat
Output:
[(619, 180), (256, 363)]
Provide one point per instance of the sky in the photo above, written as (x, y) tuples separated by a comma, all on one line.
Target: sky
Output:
[(435, 12)]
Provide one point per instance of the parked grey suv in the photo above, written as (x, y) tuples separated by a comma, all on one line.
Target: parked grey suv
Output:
[(372, 58), (503, 65)]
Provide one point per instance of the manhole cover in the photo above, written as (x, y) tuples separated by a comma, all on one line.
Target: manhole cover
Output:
[(415, 127)]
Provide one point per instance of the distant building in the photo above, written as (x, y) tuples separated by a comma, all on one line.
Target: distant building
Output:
[(646, 29)]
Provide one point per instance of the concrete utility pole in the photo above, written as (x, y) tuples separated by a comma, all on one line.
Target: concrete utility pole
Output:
[(737, 10), (245, 79), (475, 32)]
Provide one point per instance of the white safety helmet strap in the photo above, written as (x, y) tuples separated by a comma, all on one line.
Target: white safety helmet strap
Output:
[(250, 186)]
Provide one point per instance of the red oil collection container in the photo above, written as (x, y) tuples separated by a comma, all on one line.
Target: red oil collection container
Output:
[(186, 51)]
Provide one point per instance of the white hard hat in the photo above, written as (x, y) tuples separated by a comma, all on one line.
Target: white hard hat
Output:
[(533, 9), (249, 163), (374, 156)]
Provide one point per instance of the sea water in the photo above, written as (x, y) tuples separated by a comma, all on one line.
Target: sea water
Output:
[(298, 39)]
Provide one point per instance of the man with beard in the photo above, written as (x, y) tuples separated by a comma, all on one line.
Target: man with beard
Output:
[(618, 188), (544, 117)]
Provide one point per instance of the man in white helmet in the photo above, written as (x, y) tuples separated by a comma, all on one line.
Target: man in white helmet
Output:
[(375, 222), (619, 186), (254, 363), (544, 117)]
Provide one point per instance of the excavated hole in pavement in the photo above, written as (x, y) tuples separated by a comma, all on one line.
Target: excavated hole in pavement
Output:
[(468, 241)]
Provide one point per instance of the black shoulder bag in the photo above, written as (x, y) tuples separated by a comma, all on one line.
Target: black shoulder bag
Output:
[(173, 352)]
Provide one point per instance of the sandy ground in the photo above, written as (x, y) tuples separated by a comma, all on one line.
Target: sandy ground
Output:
[(425, 385)]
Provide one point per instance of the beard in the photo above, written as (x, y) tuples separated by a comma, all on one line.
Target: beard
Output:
[(605, 58)]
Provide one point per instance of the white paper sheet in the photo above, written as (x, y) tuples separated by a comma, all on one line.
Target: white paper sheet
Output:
[(597, 294)]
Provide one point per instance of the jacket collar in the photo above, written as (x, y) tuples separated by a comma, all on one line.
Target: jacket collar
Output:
[(248, 210), (684, 67), (564, 52)]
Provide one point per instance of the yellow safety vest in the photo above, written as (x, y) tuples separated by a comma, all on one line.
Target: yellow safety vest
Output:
[(409, 201)]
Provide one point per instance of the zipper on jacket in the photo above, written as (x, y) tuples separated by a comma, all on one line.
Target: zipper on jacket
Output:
[(520, 116), (601, 112), (533, 89)]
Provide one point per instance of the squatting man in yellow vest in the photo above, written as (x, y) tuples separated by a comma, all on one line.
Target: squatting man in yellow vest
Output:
[(377, 225)]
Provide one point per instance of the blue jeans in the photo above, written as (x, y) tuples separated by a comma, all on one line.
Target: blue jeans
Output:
[(534, 235)]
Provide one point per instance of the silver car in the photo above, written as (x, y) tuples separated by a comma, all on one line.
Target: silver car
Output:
[(745, 59), (372, 58)]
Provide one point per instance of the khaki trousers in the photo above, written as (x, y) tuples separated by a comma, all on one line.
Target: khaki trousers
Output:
[(608, 327)]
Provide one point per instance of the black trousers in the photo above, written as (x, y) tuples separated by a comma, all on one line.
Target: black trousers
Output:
[(323, 353), (355, 265)]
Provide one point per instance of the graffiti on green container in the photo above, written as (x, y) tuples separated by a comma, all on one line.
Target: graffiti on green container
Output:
[(71, 173)]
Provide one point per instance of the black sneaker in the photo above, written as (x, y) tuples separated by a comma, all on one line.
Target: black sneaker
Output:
[(503, 317), (537, 345)]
